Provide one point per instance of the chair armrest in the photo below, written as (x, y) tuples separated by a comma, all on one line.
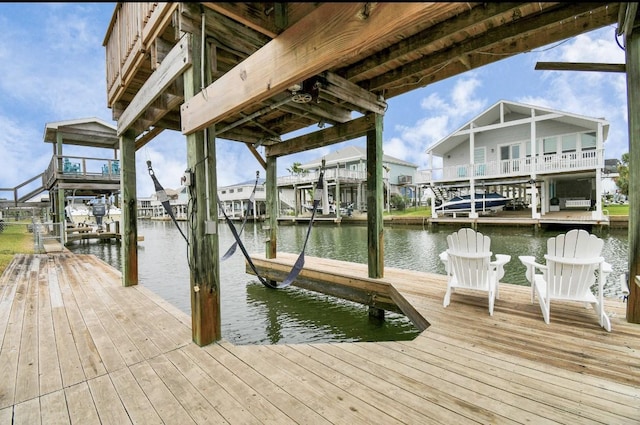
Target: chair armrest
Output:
[(530, 261), (444, 257), (502, 259)]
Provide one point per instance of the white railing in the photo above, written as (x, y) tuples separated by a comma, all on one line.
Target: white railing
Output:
[(556, 163), (330, 174)]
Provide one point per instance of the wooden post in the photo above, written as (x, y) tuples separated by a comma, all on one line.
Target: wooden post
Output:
[(375, 199), (272, 207), (129, 241), (375, 205), (632, 51), (203, 249)]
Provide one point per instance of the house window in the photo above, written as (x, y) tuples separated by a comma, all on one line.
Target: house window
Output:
[(510, 158), (479, 159), (231, 190), (239, 189), (224, 191), (549, 145), (569, 143), (588, 141)]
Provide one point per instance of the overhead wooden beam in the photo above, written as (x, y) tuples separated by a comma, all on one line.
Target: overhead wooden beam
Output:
[(490, 46), (580, 66), (257, 155), (147, 137), (339, 133), (352, 93), (173, 65), (314, 44)]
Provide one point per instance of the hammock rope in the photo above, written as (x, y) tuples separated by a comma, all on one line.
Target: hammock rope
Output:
[(299, 264), (232, 248), (244, 250)]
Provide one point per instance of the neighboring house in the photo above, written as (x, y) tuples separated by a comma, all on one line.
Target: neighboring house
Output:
[(236, 199), (545, 159), (152, 208), (345, 178)]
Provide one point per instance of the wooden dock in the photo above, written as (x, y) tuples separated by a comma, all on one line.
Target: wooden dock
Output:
[(77, 347)]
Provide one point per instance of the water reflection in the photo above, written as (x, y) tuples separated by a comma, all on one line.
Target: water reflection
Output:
[(252, 313)]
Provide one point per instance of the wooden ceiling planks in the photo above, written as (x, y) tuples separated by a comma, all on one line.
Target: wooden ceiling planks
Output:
[(402, 54)]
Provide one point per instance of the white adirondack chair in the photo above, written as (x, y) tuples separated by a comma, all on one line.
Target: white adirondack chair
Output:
[(573, 265), (468, 265)]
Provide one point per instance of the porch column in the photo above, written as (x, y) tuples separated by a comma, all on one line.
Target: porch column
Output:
[(533, 173), (472, 172), (597, 214)]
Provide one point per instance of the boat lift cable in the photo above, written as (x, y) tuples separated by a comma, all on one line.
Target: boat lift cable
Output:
[(232, 248), (161, 194)]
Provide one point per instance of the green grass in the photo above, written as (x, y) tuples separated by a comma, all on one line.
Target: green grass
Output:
[(411, 212), (617, 209), (14, 239)]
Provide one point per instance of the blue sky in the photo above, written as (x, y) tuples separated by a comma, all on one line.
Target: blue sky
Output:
[(52, 68)]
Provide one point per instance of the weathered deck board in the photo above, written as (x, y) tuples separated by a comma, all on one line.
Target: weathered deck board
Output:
[(106, 354)]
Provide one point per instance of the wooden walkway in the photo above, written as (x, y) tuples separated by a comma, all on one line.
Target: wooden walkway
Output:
[(76, 347)]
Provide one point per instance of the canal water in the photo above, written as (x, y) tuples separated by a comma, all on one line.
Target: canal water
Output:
[(254, 314)]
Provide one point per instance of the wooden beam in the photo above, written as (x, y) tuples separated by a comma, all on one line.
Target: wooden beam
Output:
[(203, 240), (328, 136), (352, 94), (314, 44), (375, 199), (174, 64), (491, 46), (580, 66), (147, 137), (632, 58), (257, 155), (129, 238), (249, 14)]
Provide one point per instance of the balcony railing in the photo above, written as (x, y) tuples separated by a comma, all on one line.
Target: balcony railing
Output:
[(543, 164), (330, 174), (81, 168), (129, 38)]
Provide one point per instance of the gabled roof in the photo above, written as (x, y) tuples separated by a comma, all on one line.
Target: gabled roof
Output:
[(92, 132), (504, 111), (350, 154), (251, 183)]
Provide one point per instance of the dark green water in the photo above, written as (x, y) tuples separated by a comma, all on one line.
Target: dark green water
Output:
[(254, 314)]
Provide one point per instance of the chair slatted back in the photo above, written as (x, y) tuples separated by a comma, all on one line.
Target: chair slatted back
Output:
[(572, 260), (469, 257)]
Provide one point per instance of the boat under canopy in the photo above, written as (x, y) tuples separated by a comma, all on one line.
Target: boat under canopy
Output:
[(483, 201)]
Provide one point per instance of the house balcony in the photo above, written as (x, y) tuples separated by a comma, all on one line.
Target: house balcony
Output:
[(521, 167), (76, 170), (132, 43), (332, 174)]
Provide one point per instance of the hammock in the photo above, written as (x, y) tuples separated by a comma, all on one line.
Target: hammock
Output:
[(161, 194), (299, 264), (232, 248)]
